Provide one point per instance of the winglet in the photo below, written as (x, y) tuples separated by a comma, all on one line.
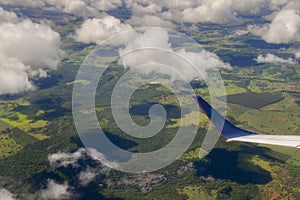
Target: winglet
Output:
[(233, 133), (227, 129)]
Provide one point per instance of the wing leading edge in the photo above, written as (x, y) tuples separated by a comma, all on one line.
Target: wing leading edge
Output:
[(233, 133)]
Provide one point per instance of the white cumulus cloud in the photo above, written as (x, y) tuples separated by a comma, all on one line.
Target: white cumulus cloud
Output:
[(218, 11), (25, 48), (13, 76), (159, 38), (97, 30), (34, 44), (284, 28)]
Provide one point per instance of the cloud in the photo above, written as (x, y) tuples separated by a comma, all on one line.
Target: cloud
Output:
[(106, 5), (297, 54), (179, 4), (25, 49), (193, 11), (6, 195), (84, 8), (292, 4), (149, 14), (6, 16), (55, 191), (270, 58), (34, 44), (88, 170), (250, 6), (97, 30), (87, 176), (96, 155), (150, 21), (143, 8), (284, 28), (64, 159), (218, 11), (159, 39), (25, 3), (13, 76), (76, 7)]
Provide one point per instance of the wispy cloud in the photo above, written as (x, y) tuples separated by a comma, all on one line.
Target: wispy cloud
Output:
[(56, 191), (270, 58), (63, 159)]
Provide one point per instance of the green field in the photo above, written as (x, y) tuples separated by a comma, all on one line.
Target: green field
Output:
[(21, 137), (4, 125), (271, 122), (294, 154)]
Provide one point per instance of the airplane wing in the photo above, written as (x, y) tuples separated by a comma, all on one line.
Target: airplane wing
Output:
[(282, 140), (233, 133)]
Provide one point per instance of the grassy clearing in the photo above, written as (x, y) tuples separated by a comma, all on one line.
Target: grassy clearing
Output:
[(189, 119), (8, 146), (35, 129), (232, 88), (40, 113), (39, 136), (83, 82), (196, 193), (16, 119), (252, 162), (193, 155), (32, 127), (104, 122), (6, 107)]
